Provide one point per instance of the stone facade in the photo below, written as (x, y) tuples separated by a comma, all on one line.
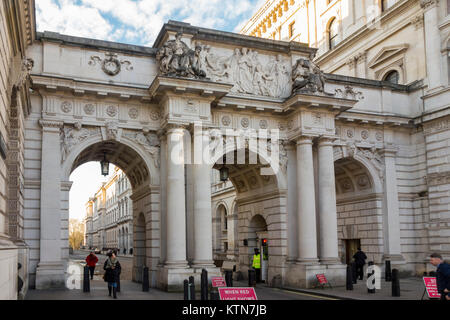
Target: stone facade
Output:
[(359, 159), (17, 33), (109, 216)]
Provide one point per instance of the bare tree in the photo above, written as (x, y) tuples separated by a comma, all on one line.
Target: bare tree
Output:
[(76, 233)]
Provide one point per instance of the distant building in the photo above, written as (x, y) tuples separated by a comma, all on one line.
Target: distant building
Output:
[(109, 215)]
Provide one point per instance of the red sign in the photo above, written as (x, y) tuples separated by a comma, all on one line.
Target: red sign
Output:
[(218, 282), (431, 286), (321, 278), (237, 294)]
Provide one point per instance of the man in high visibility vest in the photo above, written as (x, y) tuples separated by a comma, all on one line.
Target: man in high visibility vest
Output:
[(257, 265)]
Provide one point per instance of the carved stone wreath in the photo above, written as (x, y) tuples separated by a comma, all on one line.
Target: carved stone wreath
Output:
[(245, 123), (226, 121), (66, 107), (111, 111), (350, 134), (263, 124), (89, 109), (365, 134), (133, 113), (154, 115)]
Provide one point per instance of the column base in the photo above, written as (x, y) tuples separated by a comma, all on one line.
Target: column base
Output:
[(172, 279), (330, 260), (50, 275), (203, 264), (307, 261), (303, 276)]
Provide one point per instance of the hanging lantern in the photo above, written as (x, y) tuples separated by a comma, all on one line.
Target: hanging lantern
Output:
[(224, 174), (105, 166)]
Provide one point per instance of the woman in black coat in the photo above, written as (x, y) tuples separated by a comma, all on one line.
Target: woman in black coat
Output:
[(112, 273)]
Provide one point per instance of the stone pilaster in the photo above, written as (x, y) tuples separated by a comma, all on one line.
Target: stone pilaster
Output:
[(50, 271), (202, 206)]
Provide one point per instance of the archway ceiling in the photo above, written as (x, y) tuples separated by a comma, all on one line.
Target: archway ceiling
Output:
[(352, 178), (120, 155)]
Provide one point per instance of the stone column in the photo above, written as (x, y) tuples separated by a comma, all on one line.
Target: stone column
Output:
[(391, 210), (432, 42), (202, 205), (307, 233), (50, 270), (176, 206), (327, 203)]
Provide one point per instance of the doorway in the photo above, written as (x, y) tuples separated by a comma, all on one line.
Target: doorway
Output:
[(351, 247)]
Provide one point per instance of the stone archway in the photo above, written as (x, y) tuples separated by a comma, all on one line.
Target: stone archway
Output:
[(80, 145), (258, 198), (359, 210)]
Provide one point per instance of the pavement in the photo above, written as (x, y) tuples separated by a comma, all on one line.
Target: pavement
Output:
[(411, 289)]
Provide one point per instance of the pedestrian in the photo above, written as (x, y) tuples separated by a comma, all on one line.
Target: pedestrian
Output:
[(257, 265), (442, 275), (112, 271), (91, 261), (360, 261)]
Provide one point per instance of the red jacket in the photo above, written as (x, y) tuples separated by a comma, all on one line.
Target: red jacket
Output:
[(91, 260)]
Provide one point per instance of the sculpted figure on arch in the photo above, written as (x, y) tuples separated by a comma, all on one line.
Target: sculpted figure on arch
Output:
[(307, 76), (175, 58)]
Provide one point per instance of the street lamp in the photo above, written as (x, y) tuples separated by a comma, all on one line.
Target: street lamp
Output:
[(104, 166), (224, 174)]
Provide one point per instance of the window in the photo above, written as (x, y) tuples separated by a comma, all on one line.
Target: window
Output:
[(333, 34), (392, 77), (292, 29), (385, 4)]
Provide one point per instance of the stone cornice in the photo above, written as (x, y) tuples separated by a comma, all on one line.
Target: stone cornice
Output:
[(232, 39)]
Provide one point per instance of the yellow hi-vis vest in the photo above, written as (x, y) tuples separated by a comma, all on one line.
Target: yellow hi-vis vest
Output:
[(256, 261)]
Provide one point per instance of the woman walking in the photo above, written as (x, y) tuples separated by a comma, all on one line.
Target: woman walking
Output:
[(112, 271)]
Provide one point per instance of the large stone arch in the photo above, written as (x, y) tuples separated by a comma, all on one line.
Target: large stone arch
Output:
[(359, 203), (259, 195), (140, 163)]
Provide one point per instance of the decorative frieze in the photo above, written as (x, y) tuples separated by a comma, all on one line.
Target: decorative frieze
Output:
[(72, 136)]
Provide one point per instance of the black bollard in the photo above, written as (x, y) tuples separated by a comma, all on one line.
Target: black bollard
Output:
[(229, 278), (186, 289), (145, 280), (118, 284), (191, 288), (349, 278), (354, 273), (251, 278), (369, 275), (204, 285), (388, 271), (395, 283), (214, 296), (86, 283)]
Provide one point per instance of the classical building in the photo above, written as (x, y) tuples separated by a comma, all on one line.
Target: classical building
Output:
[(401, 42), (17, 33), (109, 215), (313, 163)]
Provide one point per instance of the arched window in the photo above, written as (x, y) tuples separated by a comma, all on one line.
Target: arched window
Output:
[(392, 77), (333, 34)]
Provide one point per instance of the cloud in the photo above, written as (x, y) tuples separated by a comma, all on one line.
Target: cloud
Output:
[(139, 21)]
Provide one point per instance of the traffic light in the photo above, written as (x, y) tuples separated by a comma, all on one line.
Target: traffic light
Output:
[(264, 242)]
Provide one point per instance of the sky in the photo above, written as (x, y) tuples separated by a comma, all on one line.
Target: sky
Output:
[(135, 22), (138, 22), (87, 179)]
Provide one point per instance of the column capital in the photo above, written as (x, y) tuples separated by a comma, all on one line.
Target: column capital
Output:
[(50, 124), (305, 140), (428, 4), (326, 141)]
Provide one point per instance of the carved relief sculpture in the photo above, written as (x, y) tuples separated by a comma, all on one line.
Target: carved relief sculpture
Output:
[(111, 65), (308, 77), (176, 59)]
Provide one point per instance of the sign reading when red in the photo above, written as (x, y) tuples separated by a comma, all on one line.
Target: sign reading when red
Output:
[(322, 279), (218, 282), (431, 286), (237, 294)]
